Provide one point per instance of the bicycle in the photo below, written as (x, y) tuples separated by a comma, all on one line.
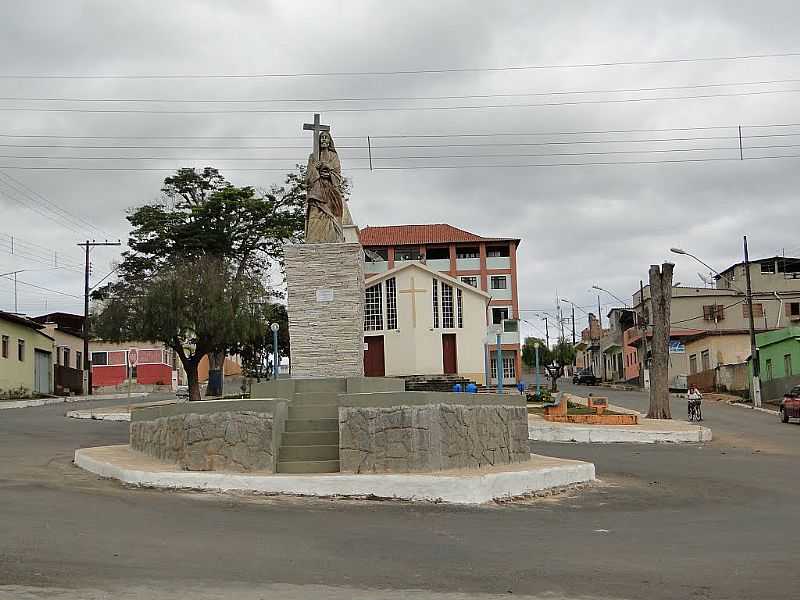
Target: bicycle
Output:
[(695, 411)]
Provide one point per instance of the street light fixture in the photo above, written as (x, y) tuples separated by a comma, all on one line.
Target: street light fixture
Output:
[(706, 265), (617, 298)]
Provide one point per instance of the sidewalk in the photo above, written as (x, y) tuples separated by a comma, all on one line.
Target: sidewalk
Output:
[(7, 404), (112, 413)]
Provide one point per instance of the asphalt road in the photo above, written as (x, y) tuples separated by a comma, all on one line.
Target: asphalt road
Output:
[(711, 521)]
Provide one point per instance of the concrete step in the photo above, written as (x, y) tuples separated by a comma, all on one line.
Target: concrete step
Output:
[(296, 425), (310, 438), (314, 411), (336, 385), (308, 466), (308, 453), (327, 398)]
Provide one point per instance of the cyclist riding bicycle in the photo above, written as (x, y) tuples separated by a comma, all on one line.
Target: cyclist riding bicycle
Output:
[(694, 400)]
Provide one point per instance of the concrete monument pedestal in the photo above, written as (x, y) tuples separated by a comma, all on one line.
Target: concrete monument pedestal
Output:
[(326, 309)]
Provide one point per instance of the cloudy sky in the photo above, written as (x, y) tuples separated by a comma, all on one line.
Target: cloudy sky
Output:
[(674, 178)]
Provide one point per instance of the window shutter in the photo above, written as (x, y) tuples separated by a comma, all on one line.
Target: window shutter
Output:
[(708, 312), (719, 312)]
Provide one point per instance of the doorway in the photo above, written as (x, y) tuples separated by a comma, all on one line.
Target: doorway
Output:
[(41, 367), (374, 360), (449, 356)]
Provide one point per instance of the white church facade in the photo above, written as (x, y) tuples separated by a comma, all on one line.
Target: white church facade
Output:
[(421, 321)]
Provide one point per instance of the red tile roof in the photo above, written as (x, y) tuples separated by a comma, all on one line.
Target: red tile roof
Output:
[(435, 233)]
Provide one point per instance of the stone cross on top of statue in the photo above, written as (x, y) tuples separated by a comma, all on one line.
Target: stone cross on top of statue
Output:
[(317, 129), (324, 198)]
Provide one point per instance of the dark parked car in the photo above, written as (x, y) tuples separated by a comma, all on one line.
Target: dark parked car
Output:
[(584, 377), (790, 405)]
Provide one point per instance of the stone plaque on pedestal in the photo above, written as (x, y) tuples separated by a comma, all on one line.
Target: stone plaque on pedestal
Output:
[(326, 309)]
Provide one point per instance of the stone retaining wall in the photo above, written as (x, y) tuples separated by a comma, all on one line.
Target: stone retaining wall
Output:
[(431, 437), (237, 441)]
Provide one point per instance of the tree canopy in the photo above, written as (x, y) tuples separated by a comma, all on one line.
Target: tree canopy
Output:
[(199, 261)]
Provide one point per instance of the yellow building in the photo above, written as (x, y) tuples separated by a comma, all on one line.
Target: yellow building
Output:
[(26, 357)]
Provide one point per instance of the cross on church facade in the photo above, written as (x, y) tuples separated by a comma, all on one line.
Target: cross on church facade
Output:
[(317, 129), (413, 291)]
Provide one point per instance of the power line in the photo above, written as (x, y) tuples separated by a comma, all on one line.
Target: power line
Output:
[(387, 108), (660, 61), (420, 157), (389, 98), (48, 204), (421, 167), (27, 203), (39, 287), (404, 135), (392, 146)]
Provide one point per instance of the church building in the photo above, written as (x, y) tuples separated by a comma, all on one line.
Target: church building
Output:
[(419, 321), (464, 261)]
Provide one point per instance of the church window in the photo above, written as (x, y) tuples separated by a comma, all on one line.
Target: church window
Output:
[(373, 313), (447, 307), (435, 303), (391, 303), (460, 303)]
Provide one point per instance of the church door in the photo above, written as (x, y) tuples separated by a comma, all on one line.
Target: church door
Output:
[(374, 361), (449, 358)]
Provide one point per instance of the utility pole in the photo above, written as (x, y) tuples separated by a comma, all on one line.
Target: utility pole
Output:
[(600, 324), (643, 324), (756, 383), (87, 363), (546, 332), (573, 324)]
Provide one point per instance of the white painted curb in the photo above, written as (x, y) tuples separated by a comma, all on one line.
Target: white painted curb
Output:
[(605, 434), (457, 489), (64, 399), (99, 415), (757, 408)]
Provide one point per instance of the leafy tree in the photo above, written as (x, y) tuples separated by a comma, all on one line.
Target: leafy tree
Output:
[(561, 355), (199, 260), (529, 352)]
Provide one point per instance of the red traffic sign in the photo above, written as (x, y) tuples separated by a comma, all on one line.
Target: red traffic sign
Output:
[(133, 357)]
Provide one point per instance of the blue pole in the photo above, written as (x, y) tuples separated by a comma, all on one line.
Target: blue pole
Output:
[(275, 353), (538, 393), (499, 363)]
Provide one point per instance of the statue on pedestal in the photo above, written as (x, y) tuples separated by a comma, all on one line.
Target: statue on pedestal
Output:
[(325, 204)]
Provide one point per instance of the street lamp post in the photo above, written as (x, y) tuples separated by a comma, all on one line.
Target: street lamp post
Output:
[(275, 327), (756, 381)]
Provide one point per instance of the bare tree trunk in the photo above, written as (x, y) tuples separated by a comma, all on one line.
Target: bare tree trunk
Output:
[(661, 298), (216, 374)]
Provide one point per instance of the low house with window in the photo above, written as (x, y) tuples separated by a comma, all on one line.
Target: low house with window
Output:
[(66, 329), (779, 355), (150, 365), (26, 363), (418, 321), (718, 360)]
